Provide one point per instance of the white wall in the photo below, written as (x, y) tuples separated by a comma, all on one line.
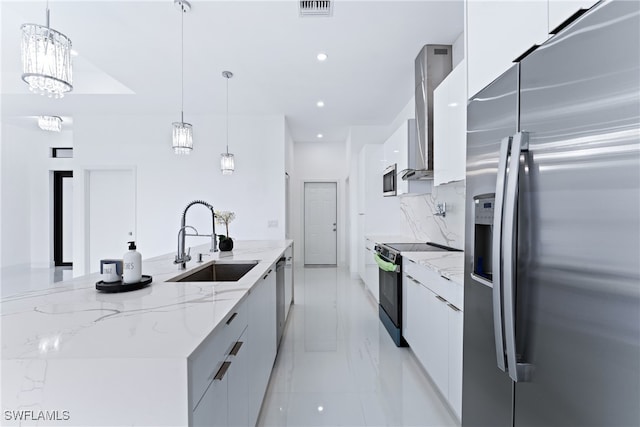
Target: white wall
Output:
[(27, 192), (166, 183), (318, 161)]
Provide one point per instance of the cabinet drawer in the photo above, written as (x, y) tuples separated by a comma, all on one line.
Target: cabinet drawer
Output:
[(207, 359), (437, 284)]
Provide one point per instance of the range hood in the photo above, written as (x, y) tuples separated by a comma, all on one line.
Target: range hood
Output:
[(432, 65)]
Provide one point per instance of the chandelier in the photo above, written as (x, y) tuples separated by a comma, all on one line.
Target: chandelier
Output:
[(182, 132), (227, 163), (50, 123), (46, 60)]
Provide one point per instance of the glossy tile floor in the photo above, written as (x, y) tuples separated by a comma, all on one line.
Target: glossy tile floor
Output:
[(337, 366)]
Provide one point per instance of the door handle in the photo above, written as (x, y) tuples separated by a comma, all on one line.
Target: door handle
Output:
[(222, 371), (496, 254), (236, 348), (518, 372)]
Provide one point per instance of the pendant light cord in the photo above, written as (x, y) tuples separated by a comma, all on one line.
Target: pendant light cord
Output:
[(181, 62), (227, 115)]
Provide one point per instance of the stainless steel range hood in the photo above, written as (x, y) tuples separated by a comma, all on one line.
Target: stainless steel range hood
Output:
[(432, 65)]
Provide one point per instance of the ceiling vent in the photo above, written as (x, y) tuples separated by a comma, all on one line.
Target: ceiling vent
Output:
[(315, 7)]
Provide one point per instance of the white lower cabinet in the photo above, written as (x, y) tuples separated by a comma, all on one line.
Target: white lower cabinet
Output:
[(372, 272), (456, 321), (288, 281), (262, 340), (433, 329), (229, 372)]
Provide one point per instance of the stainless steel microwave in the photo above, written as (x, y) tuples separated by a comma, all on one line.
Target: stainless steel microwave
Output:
[(389, 183)]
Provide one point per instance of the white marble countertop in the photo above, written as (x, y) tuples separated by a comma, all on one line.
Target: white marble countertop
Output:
[(57, 343), (392, 238), (447, 264)]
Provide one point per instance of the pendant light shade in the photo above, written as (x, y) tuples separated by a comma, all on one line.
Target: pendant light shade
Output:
[(46, 60), (182, 132), (227, 161), (50, 123), (182, 138)]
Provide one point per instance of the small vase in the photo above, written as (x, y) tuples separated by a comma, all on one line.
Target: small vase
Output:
[(225, 244)]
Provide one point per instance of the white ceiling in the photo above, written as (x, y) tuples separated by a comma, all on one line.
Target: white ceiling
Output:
[(129, 59)]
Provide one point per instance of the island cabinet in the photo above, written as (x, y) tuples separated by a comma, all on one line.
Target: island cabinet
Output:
[(213, 366), (262, 340), (433, 328), (229, 372)]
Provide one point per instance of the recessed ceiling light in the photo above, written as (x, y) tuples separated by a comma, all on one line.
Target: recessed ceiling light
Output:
[(320, 136), (320, 104), (320, 408), (322, 57)]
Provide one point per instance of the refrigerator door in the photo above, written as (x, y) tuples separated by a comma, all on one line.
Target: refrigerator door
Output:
[(578, 290), (492, 117)]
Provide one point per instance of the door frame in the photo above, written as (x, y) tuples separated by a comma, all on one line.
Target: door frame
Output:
[(58, 176), (304, 226)]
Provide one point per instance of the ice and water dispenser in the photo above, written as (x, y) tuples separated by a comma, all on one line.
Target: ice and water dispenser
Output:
[(483, 235)]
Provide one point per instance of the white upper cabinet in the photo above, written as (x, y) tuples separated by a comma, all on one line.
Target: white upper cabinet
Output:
[(560, 10), (499, 32), (450, 127)]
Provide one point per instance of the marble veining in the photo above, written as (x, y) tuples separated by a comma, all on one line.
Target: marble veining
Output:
[(393, 238), (446, 264), (419, 219)]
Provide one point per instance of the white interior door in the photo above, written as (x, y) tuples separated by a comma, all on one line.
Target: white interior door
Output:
[(112, 214), (320, 223)]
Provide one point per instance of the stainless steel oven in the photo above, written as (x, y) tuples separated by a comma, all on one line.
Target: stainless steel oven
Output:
[(389, 260), (389, 183)]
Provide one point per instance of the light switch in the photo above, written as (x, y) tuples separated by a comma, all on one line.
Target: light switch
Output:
[(273, 223)]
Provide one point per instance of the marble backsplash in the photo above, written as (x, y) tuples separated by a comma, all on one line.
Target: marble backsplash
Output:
[(419, 219)]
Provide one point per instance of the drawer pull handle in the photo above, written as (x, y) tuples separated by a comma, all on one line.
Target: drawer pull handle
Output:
[(236, 348), (223, 370), (413, 280), (440, 298), (453, 307), (446, 278), (233, 316)]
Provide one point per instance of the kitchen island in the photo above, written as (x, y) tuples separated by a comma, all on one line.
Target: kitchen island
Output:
[(77, 356)]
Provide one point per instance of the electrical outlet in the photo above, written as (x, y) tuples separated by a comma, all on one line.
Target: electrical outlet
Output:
[(272, 223)]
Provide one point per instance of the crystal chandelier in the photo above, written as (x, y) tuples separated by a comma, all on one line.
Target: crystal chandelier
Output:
[(227, 163), (50, 123), (46, 60), (182, 132)]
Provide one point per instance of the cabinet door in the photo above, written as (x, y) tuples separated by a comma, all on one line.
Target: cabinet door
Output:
[(372, 274), (212, 408), (497, 33), (437, 364), (288, 281), (560, 10), (450, 126), (262, 340), (238, 384), (455, 358), (417, 330)]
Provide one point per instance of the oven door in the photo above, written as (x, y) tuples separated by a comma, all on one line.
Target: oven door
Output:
[(391, 295)]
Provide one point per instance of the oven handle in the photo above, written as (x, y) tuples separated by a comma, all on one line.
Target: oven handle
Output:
[(386, 265)]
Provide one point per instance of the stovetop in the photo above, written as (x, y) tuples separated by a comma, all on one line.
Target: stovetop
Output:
[(391, 251)]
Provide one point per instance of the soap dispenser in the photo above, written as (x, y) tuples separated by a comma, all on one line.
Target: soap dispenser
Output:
[(132, 263)]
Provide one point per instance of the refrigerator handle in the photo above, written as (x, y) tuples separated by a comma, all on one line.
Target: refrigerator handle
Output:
[(518, 372), (497, 254)]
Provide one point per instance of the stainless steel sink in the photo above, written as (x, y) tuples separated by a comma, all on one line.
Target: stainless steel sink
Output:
[(217, 271)]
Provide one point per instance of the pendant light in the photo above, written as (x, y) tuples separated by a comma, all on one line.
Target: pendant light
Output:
[(182, 132), (227, 163), (50, 123), (46, 59)]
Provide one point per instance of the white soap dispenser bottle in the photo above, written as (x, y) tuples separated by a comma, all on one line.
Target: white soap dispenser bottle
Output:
[(132, 265)]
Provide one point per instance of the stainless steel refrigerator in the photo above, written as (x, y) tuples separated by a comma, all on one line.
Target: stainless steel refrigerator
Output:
[(552, 252)]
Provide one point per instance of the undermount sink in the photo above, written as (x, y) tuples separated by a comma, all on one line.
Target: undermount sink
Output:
[(217, 271)]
